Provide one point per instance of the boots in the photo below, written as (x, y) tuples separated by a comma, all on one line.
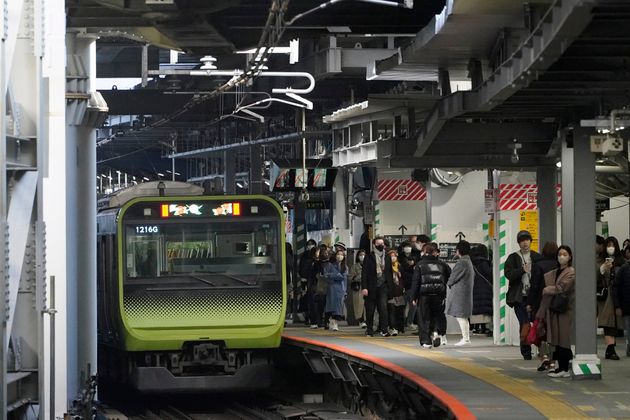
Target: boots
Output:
[(611, 354)]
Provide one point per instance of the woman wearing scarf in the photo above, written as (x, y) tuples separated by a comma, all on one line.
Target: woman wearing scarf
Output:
[(459, 300), (396, 296)]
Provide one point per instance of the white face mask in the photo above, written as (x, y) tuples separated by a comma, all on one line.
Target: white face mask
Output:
[(339, 258), (361, 258), (563, 259), (610, 250), (407, 250), (309, 247)]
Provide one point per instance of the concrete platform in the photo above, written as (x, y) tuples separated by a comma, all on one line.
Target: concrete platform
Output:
[(494, 382)]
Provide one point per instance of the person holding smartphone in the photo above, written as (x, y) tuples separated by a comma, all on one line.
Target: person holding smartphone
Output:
[(607, 319)]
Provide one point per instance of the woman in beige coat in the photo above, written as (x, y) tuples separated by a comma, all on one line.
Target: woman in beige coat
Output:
[(354, 288), (560, 284)]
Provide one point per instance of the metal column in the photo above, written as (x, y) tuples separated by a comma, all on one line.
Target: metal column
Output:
[(578, 231), (547, 179), (255, 170), (229, 168)]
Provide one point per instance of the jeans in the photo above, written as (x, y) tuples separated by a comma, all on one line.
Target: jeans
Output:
[(523, 319), (376, 300), (430, 314)]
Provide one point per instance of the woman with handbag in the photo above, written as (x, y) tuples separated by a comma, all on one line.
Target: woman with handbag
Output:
[(557, 307), (396, 294), (358, 305), (336, 274), (606, 316)]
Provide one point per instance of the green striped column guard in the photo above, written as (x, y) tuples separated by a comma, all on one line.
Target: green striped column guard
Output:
[(300, 238), (587, 369), (503, 286), (434, 231), (377, 219)]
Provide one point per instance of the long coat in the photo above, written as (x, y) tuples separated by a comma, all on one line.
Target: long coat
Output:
[(482, 289), (606, 316), (357, 298), (337, 279), (459, 299), (559, 326)]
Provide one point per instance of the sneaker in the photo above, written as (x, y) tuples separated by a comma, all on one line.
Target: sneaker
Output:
[(544, 366), (437, 341), (443, 340), (369, 334), (385, 334), (333, 325), (559, 374), (314, 327), (393, 332), (427, 346), (462, 342), (363, 325), (414, 327)]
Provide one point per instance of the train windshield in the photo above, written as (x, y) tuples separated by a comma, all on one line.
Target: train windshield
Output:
[(201, 253)]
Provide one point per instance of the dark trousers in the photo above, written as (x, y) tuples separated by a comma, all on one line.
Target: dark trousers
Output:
[(411, 313), (376, 300), (316, 306), (431, 317), (396, 317), (563, 355), (523, 321)]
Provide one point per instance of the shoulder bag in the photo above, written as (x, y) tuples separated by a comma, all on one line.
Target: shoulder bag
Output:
[(559, 303)]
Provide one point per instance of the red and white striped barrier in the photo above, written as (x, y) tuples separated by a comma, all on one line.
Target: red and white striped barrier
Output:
[(522, 197), (400, 190)]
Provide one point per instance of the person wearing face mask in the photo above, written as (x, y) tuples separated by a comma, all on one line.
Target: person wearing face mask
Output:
[(336, 274), (421, 241), (315, 297), (559, 285), (518, 271), (374, 287), (621, 298), (358, 305), (459, 299), (396, 298), (606, 316), (408, 261)]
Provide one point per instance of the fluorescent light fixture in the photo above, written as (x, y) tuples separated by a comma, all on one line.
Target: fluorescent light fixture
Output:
[(145, 178), (559, 164), (238, 184), (160, 174)]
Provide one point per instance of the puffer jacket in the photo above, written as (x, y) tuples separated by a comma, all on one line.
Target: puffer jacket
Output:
[(621, 289), (430, 277)]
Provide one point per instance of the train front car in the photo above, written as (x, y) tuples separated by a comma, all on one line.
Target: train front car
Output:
[(201, 294)]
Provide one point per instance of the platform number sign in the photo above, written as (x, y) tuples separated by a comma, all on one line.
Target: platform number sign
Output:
[(402, 189)]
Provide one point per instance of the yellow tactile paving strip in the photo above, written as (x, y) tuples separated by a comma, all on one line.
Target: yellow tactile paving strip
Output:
[(544, 402)]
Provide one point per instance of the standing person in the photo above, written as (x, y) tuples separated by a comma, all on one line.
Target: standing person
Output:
[(606, 315), (305, 264), (560, 286), (548, 263), (338, 246), (374, 287), (428, 292), (364, 242), (396, 298), (291, 284), (317, 288), (421, 241), (459, 300), (621, 298), (408, 260), (482, 290), (358, 305), (336, 274), (518, 271)]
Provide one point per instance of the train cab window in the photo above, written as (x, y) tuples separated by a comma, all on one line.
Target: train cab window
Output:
[(202, 253)]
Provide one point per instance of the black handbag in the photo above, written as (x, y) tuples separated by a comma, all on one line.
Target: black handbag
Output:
[(602, 294), (559, 303)]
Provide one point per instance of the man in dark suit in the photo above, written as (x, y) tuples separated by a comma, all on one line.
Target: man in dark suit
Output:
[(374, 287)]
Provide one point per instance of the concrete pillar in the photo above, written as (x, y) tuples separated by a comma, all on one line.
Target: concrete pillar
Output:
[(444, 81), (578, 223), (255, 170), (411, 122), (547, 179), (229, 172), (339, 204)]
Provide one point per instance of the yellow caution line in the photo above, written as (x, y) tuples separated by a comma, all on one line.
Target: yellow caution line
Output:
[(548, 406)]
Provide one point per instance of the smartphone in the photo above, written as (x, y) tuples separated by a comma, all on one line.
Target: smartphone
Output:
[(610, 259)]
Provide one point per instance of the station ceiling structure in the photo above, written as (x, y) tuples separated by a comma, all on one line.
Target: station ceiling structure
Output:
[(532, 67)]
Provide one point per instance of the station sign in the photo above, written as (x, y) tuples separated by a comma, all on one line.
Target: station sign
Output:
[(602, 204)]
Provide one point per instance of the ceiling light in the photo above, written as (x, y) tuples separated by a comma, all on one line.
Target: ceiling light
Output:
[(559, 164)]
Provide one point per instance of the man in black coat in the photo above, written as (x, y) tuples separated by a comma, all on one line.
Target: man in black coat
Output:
[(429, 291), (374, 287), (518, 271), (621, 299), (408, 260)]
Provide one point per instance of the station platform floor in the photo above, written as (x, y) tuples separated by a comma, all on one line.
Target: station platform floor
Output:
[(493, 382)]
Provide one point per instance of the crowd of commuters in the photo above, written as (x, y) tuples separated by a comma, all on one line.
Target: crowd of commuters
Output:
[(411, 288)]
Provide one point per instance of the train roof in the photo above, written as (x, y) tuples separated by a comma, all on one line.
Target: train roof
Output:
[(149, 189)]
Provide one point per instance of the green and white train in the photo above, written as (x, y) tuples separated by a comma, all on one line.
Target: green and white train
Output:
[(191, 289)]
